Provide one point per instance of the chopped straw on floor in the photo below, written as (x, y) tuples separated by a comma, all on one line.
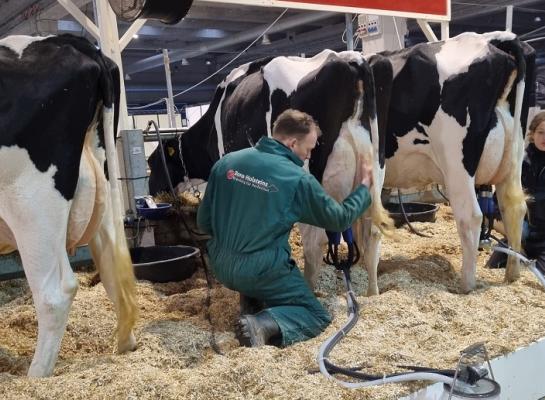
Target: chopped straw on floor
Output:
[(420, 318)]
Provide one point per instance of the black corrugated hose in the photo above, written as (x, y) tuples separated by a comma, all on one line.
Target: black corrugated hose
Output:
[(202, 249)]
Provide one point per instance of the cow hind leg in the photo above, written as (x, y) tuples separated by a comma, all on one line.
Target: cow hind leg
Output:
[(42, 246), (368, 238), (312, 238), (111, 256), (468, 218), (512, 204)]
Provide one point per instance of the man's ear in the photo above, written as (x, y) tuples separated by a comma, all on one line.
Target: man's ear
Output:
[(291, 142)]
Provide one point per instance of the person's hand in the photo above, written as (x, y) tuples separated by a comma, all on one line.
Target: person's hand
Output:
[(366, 170)]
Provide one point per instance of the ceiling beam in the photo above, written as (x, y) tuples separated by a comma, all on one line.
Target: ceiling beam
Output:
[(288, 23), (485, 9), (31, 20), (15, 13), (232, 12)]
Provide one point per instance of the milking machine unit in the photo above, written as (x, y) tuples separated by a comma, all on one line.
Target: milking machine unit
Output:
[(468, 380), (485, 198)]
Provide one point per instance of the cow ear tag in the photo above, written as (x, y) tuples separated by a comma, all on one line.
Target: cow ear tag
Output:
[(170, 151)]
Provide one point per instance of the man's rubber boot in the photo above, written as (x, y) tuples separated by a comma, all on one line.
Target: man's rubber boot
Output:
[(497, 260), (249, 305), (257, 330)]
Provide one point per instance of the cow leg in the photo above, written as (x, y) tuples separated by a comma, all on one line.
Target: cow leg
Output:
[(110, 254), (41, 240), (368, 238), (513, 207), (312, 238), (468, 218)]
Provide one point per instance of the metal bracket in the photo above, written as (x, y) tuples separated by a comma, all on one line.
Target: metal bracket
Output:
[(471, 358)]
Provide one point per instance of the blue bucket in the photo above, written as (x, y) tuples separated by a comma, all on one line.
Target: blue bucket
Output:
[(160, 212)]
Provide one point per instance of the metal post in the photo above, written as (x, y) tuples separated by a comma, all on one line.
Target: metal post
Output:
[(109, 44), (80, 17), (349, 32), (170, 99), (426, 29), (509, 19), (445, 31)]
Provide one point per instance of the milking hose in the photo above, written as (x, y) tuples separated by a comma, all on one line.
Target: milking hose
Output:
[(503, 248), (213, 342), (370, 380)]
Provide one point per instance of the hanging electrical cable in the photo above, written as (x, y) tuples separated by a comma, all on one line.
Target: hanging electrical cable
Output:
[(267, 29)]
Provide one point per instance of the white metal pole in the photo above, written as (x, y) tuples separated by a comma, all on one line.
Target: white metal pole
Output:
[(170, 99), (80, 17), (509, 19), (426, 28), (349, 32), (445, 30), (129, 33), (109, 44)]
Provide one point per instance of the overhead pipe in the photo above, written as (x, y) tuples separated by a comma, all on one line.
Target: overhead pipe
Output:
[(176, 55)]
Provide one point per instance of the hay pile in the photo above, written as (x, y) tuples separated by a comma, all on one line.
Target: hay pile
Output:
[(420, 319)]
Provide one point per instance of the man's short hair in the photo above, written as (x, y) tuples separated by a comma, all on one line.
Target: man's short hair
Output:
[(294, 123)]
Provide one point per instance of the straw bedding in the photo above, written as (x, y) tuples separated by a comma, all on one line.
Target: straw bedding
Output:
[(419, 319)]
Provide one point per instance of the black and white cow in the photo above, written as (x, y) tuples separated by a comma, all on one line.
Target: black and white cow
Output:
[(57, 95), (443, 112)]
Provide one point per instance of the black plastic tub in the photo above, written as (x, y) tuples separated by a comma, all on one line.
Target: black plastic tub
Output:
[(416, 212), (164, 263)]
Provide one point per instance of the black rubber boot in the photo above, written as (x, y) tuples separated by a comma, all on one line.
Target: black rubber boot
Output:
[(257, 330), (249, 305), (497, 260)]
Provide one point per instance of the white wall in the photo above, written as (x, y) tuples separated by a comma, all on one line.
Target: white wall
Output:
[(194, 113)]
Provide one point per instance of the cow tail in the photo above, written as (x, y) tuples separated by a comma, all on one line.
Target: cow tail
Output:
[(523, 96), (123, 280), (525, 58), (380, 217)]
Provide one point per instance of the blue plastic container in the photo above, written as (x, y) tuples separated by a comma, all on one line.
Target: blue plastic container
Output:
[(160, 212)]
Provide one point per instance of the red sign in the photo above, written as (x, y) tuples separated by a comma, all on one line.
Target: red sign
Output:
[(435, 7), (438, 10)]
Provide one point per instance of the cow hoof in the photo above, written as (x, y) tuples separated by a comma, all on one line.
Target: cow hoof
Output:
[(512, 272), (127, 345), (372, 291), (467, 288), (512, 277), (39, 371)]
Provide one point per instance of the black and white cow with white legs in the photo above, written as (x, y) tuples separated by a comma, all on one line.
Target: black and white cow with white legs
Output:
[(57, 95), (450, 120), (444, 114)]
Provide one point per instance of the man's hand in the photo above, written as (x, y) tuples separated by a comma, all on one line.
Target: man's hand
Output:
[(366, 170)]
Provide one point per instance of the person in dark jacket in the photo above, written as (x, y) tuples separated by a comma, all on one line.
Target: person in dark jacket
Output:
[(533, 181), (252, 200)]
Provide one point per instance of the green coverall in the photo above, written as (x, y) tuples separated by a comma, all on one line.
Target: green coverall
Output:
[(253, 198)]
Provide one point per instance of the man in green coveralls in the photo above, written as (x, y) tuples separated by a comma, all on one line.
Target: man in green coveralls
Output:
[(253, 198)]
